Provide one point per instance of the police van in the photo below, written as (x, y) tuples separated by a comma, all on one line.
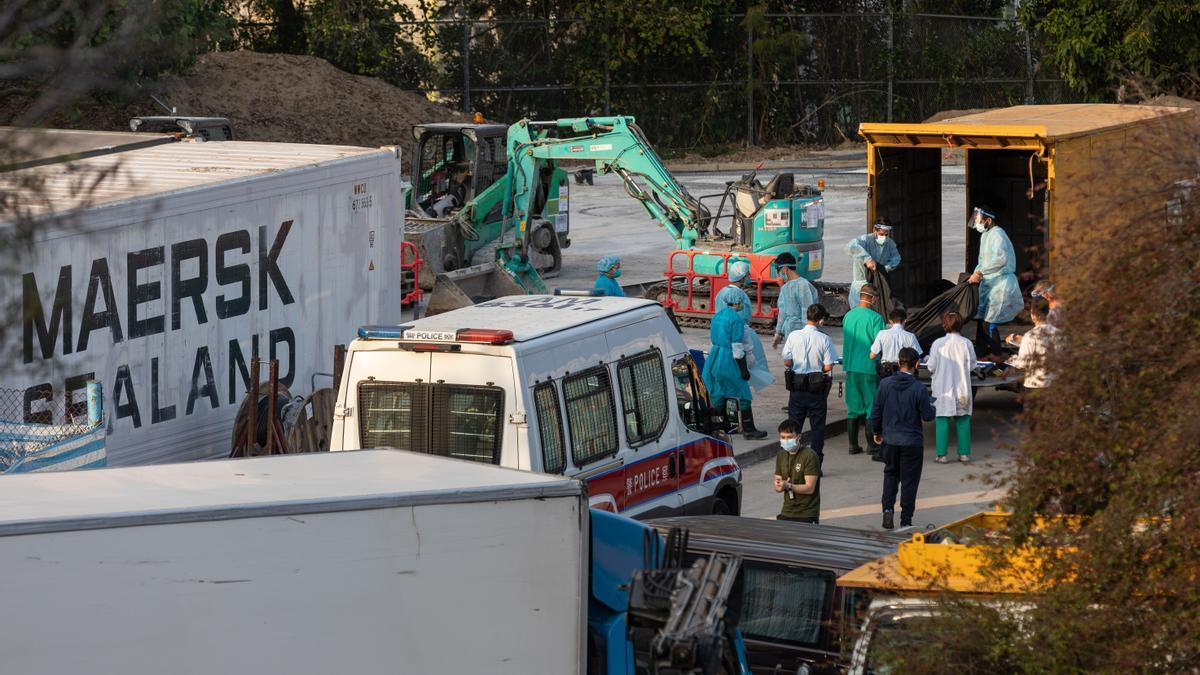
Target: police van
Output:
[(601, 389)]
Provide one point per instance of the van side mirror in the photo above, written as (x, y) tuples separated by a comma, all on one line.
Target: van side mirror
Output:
[(689, 394)]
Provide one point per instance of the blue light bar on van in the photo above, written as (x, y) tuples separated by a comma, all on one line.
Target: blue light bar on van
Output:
[(382, 332)]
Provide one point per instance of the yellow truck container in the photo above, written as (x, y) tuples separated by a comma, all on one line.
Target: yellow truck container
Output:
[(951, 558), (905, 587), (1038, 166)]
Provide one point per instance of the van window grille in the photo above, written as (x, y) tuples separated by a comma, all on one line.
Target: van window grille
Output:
[(643, 397), (392, 415), (460, 421), (591, 415), (466, 422), (549, 420)]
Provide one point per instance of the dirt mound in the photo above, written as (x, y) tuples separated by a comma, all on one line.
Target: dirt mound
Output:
[(269, 97)]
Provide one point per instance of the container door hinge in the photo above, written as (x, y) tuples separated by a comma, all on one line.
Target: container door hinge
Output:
[(341, 412), (516, 418)]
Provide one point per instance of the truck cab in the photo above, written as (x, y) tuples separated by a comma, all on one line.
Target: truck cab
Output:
[(597, 388), (793, 616)]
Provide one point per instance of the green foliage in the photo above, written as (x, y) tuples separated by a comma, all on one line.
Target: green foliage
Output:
[(365, 37), (1104, 483), (1096, 44), (138, 39), (635, 35)]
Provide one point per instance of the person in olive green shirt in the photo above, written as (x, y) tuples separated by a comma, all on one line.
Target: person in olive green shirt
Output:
[(859, 328), (797, 473)]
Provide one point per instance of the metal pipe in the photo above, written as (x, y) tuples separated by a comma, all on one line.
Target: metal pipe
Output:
[(95, 404), (466, 65), (272, 391), (750, 88), (890, 63), (252, 412), (339, 363)]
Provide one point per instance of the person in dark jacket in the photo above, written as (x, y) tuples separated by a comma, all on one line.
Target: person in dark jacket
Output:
[(901, 404)]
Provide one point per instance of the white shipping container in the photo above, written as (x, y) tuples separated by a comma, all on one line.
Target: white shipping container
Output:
[(187, 258), (360, 562)]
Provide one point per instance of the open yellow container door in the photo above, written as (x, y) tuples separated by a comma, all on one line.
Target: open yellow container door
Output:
[(904, 174), (904, 185)]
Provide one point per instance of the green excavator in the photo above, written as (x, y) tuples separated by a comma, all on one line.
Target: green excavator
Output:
[(752, 222), (459, 181)]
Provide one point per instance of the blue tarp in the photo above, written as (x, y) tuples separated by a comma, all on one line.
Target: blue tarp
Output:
[(26, 448)]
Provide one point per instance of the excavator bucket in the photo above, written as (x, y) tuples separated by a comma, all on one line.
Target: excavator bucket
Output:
[(470, 285)]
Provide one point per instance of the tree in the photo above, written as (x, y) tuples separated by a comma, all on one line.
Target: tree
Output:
[(376, 38), (61, 50), (1095, 44), (366, 37), (1105, 477)]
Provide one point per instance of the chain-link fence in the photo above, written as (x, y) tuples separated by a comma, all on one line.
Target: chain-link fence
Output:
[(757, 79), (33, 422)]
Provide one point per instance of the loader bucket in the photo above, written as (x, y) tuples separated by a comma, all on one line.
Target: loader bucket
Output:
[(469, 285)]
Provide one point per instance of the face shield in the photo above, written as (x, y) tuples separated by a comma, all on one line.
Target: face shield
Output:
[(978, 218)]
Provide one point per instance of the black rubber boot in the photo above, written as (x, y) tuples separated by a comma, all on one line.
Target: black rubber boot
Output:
[(852, 425), (749, 431)]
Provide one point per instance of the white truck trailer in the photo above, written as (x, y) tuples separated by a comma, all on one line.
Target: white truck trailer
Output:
[(159, 265), (360, 562)]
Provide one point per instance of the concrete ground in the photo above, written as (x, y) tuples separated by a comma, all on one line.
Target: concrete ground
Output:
[(850, 493), (852, 485), (770, 402), (605, 220)]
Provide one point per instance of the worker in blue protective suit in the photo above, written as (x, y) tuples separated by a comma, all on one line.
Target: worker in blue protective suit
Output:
[(999, 294), (727, 368), (737, 272), (869, 251), (609, 268), (795, 297), (760, 373)]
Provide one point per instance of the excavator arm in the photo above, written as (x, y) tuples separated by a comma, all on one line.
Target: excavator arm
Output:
[(617, 146)]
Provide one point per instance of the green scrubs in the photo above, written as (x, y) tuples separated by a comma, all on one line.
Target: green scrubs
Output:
[(859, 328)]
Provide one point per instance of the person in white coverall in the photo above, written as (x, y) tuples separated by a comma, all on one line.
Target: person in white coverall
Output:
[(868, 251), (795, 297), (999, 294)]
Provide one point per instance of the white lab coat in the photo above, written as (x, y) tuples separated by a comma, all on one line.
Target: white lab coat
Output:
[(951, 359), (1031, 357)]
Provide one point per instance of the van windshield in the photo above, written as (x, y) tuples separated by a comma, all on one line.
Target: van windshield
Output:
[(451, 420)]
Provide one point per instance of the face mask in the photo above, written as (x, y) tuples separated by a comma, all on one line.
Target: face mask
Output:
[(616, 273), (881, 238), (980, 227), (789, 444)]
